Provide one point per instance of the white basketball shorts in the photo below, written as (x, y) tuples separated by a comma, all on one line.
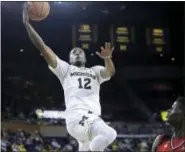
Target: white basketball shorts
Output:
[(79, 122)]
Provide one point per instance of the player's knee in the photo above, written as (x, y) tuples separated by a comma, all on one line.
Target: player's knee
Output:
[(111, 135)]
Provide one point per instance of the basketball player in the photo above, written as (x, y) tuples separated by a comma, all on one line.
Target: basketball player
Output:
[(81, 89), (176, 118)]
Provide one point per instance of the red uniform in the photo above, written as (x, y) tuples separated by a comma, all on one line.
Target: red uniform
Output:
[(169, 145)]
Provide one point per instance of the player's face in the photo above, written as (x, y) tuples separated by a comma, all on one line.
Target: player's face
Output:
[(175, 114), (77, 57)]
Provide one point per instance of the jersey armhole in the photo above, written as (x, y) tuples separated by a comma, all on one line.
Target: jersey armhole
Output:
[(163, 138), (67, 72)]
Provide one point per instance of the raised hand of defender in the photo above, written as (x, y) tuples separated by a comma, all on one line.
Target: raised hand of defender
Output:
[(25, 13), (106, 52)]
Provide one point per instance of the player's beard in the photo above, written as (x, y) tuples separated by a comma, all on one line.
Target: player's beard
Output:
[(79, 64)]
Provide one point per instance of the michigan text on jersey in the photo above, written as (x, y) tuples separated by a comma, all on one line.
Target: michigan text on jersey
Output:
[(83, 74)]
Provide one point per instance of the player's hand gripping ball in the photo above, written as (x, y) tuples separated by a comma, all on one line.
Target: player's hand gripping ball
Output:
[(106, 52), (38, 11)]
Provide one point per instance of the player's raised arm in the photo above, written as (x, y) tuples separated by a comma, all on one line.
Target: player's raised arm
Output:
[(106, 54), (47, 53)]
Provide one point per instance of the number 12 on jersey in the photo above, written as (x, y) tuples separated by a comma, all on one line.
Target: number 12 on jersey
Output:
[(84, 83)]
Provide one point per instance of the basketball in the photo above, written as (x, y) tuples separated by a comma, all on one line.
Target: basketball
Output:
[(38, 11)]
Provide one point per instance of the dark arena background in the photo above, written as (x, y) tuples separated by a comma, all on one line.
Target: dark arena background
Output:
[(149, 60)]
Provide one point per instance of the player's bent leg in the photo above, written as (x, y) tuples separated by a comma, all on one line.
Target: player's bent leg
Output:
[(103, 135), (83, 146)]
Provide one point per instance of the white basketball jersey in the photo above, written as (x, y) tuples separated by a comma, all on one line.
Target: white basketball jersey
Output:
[(81, 86)]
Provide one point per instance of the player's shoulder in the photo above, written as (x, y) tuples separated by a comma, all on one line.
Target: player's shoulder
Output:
[(159, 140), (97, 67), (74, 68)]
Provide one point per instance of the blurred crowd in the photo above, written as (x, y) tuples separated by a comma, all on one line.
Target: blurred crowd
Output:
[(33, 141), (131, 137), (20, 141)]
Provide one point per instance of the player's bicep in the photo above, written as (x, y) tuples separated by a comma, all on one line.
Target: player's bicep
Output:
[(101, 74), (49, 56), (156, 143), (104, 74), (61, 68)]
